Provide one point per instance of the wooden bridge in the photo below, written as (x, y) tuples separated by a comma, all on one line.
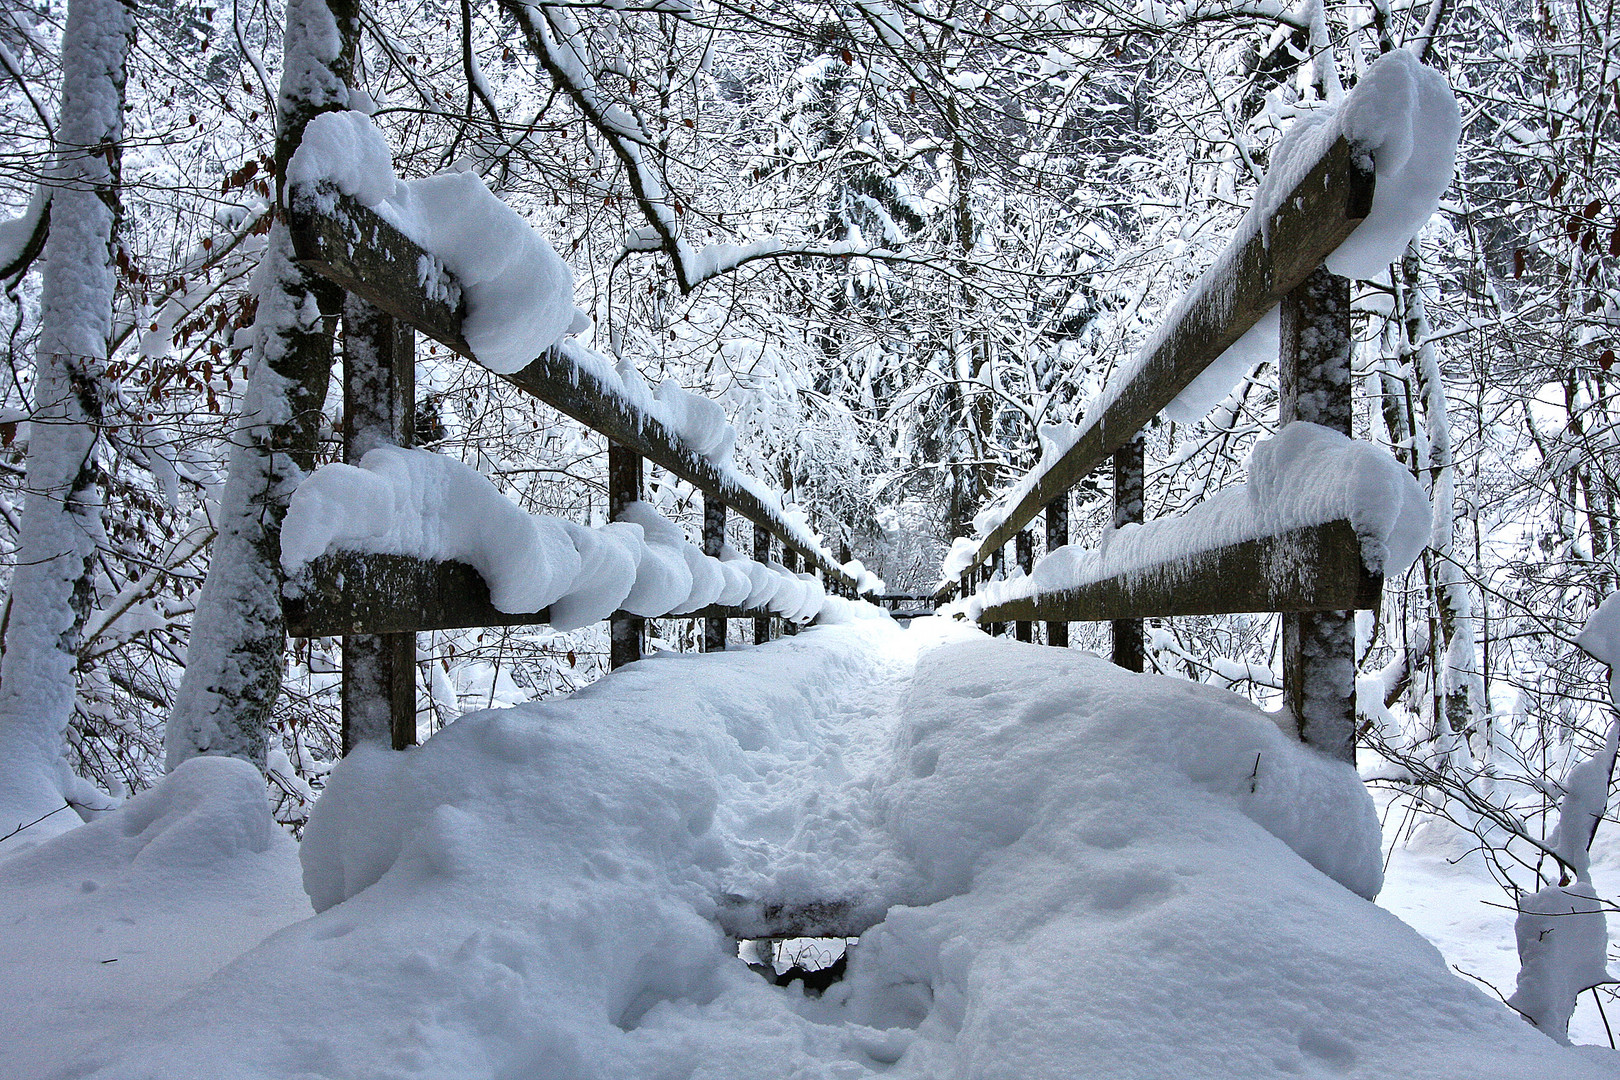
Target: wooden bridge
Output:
[(1313, 575)]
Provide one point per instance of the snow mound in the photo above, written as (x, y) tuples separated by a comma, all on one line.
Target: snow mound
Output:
[(1070, 863), (1306, 474), (519, 292), (414, 502), (1405, 115), (130, 911)]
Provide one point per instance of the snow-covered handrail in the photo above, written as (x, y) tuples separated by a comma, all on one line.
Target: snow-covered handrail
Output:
[(1313, 568), (1318, 205), (1249, 279), (350, 592), (352, 245)]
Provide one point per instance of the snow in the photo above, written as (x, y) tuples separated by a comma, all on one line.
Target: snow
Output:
[(665, 577), (414, 502), (1306, 474), (1405, 115), (865, 581), (432, 507), (699, 421), (1563, 939), (519, 292), (609, 559), (15, 233), (1261, 343), (1562, 932), (1600, 639), (131, 911), (1066, 862)]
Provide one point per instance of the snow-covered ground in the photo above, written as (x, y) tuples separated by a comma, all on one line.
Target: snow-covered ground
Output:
[(1439, 883), (1085, 871)]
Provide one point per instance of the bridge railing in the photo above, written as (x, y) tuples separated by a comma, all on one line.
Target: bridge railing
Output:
[(1314, 576), (378, 602)]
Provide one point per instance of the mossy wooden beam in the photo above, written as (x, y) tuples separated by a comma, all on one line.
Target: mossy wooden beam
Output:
[(1316, 568)]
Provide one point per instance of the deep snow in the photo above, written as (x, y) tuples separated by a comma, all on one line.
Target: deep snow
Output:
[(1086, 872)]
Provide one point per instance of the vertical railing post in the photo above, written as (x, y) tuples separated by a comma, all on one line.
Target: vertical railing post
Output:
[(1057, 535), (997, 569), (624, 488), (714, 540), (1318, 648), (1129, 501), (790, 559), (762, 554), (1024, 548), (378, 687)]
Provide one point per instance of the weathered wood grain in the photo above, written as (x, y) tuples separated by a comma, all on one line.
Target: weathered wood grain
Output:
[(1316, 568)]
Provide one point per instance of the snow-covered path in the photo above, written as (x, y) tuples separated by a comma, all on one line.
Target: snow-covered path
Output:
[(1084, 872)]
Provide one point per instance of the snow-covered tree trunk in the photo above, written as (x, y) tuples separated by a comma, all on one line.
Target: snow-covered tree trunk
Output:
[(51, 588), (1456, 668), (234, 661)]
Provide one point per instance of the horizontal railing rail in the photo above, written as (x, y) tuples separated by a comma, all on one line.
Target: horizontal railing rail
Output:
[(1315, 568)]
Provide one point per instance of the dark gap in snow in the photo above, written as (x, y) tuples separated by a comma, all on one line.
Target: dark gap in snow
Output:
[(813, 962)]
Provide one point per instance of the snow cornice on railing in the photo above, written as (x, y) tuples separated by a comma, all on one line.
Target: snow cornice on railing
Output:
[(355, 247)]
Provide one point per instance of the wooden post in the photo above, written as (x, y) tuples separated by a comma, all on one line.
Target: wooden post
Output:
[(714, 539), (762, 554), (624, 488), (790, 559), (1024, 547), (378, 687), (1057, 535), (997, 569), (1319, 648), (1129, 495)]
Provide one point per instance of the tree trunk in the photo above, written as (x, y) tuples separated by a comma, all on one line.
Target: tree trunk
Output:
[(51, 588), (1456, 667), (234, 661)]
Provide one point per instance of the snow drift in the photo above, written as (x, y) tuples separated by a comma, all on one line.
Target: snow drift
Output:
[(1077, 864)]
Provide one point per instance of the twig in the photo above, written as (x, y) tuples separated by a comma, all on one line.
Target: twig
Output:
[(36, 821)]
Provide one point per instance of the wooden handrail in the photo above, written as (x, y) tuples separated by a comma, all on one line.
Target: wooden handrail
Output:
[(1250, 278), (351, 245), (350, 592), (1314, 568)]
